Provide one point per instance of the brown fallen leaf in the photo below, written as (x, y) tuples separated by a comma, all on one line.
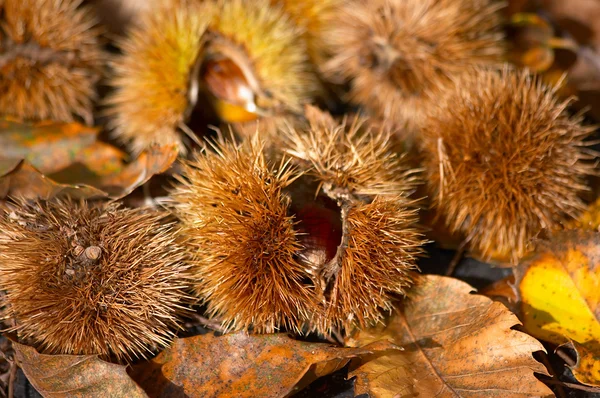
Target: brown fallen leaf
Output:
[(101, 158), (502, 291), (20, 178), (456, 344), (154, 160), (58, 376), (242, 365), (534, 44), (48, 146), (529, 37), (559, 294)]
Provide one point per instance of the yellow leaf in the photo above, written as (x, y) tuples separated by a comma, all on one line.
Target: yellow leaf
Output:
[(590, 219), (559, 291)]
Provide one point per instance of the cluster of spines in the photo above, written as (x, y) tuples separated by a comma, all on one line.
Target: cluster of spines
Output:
[(51, 60), (350, 155), (271, 40), (504, 160), (92, 279), (152, 78), (235, 215), (247, 224), (355, 166), (155, 81), (313, 16), (397, 55)]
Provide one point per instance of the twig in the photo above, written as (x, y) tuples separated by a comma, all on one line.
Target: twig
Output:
[(11, 379), (544, 357), (574, 386), (458, 256), (565, 357)]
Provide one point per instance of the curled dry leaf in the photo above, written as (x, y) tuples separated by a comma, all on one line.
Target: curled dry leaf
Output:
[(559, 292), (58, 376), (154, 160), (20, 178), (529, 37), (48, 146), (502, 291), (535, 46), (101, 158), (456, 344), (242, 365)]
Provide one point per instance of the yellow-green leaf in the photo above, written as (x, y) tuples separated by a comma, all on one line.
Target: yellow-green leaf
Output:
[(559, 292)]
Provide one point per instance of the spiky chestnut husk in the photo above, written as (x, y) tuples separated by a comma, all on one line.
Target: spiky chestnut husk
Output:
[(235, 216), (313, 16), (152, 77), (91, 279), (50, 60), (240, 57), (117, 15), (351, 156), (379, 242), (274, 50), (504, 160), (398, 54), (270, 253), (270, 129), (375, 263)]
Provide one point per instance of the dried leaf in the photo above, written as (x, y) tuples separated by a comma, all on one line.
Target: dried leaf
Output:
[(59, 376), (48, 146), (503, 291), (559, 291), (242, 365), (19, 178), (579, 20), (587, 367), (455, 344), (534, 45), (154, 160), (529, 37), (101, 158)]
